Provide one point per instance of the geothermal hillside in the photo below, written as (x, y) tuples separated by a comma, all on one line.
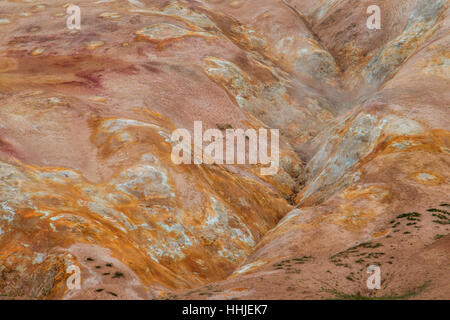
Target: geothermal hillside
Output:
[(86, 177)]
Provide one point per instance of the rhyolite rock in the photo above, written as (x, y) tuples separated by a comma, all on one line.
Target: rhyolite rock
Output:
[(86, 176)]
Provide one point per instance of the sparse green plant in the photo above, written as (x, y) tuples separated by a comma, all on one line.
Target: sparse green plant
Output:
[(358, 296), (349, 278), (411, 215), (224, 127), (438, 210), (118, 274)]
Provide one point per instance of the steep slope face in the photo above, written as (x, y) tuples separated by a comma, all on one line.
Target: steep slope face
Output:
[(376, 194), (367, 58), (87, 177), (86, 123)]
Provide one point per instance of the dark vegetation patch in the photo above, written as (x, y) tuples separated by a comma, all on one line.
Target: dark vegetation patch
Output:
[(359, 254), (118, 274), (290, 264), (443, 216), (344, 296), (224, 127)]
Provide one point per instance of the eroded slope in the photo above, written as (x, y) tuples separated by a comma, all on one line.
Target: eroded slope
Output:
[(86, 176)]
